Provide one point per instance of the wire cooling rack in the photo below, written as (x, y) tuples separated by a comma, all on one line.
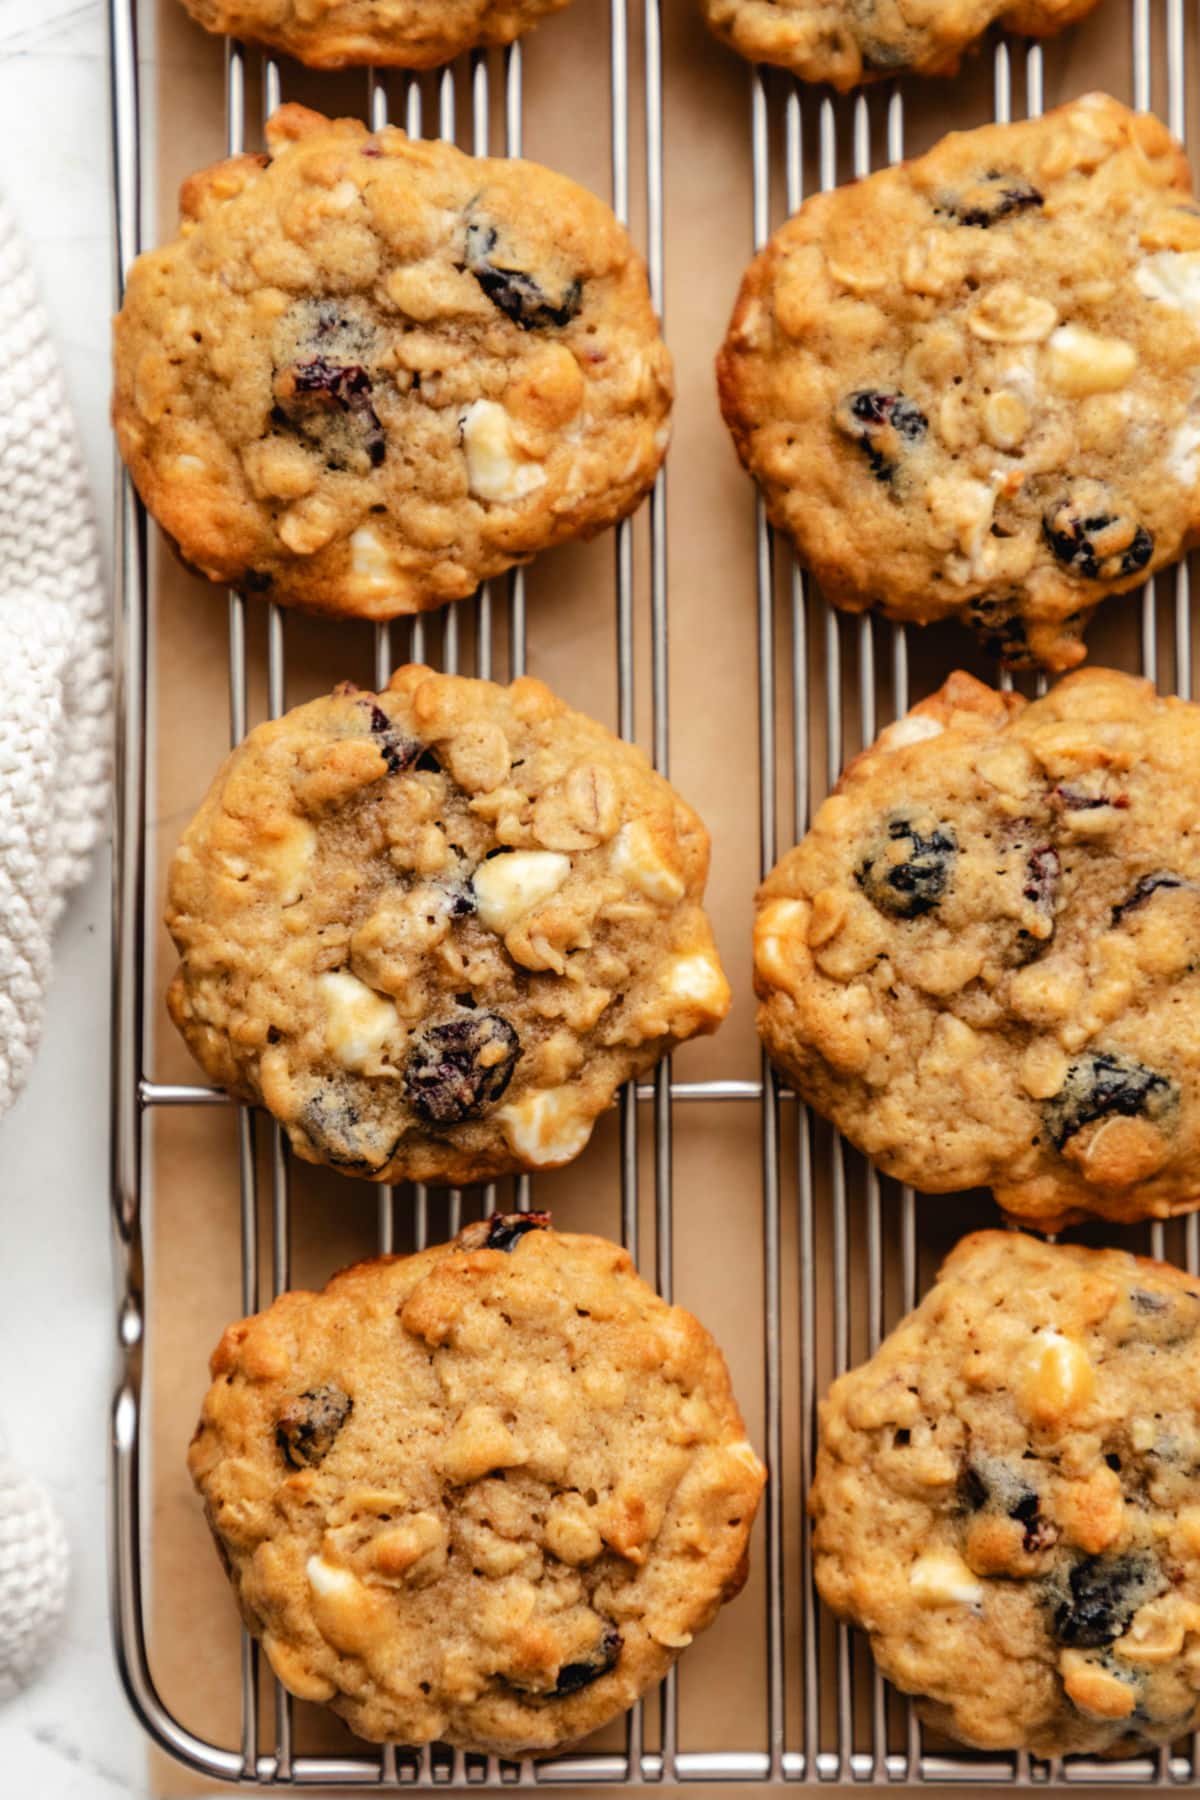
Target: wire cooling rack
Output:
[(844, 1253)]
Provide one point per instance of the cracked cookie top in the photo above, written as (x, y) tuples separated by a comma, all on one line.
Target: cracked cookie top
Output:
[(848, 42), (407, 34), (484, 1494), (967, 385), (372, 372), (1007, 1499), (434, 930), (983, 962)]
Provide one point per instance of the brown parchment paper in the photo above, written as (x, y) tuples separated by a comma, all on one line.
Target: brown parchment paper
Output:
[(718, 1239)]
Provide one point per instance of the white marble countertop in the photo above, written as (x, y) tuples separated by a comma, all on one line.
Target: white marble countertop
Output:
[(71, 1735)]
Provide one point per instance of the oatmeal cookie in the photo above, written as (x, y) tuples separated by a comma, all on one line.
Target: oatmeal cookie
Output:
[(406, 34), (434, 930), (983, 962), (485, 1494), (968, 384), (1007, 1499), (373, 371), (848, 42)]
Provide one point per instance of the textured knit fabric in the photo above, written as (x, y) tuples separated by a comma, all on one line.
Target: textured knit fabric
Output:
[(54, 673), (34, 1565)]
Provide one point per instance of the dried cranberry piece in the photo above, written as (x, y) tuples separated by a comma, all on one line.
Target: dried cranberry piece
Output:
[(458, 1068), (995, 1487), (505, 1230), (1075, 533), (399, 753), (1106, 1084), (514, 292), (1148, 885), (308, 1424), (884, 425), (573, 1676), (907, 888), (323, 384), (340, 388), (1076, 799), (336, 1129), (576, 1675), (1000, 629), (974, 1492), (1104, 1593), (333, 383), (994, 197), (1043, 871), (1039, 1533)]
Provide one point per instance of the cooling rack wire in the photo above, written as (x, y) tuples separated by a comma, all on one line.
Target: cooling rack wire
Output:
[(851, 1728)]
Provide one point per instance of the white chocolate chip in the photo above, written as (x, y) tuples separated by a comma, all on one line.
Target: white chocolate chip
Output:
[(636, 859), (189, 465), (341, 197), (371, 562), (1143, 1434), (699, 978), (1183, 453), (308, 526), (289, 856), (1173, 277), (494, 471), (1057, 1379), (942, 1578), (345, 1611), (781, 942), (1008, 315), (358, 1020), (744, 1452), (914, 728), (964, 508), (1083, 362), (328, 1581), (507, 887), (546, 1127)]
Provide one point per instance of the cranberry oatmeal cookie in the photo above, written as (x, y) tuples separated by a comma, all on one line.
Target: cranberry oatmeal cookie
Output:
[(434, 930), (407, 34), (983, 962), (968, 384), (848, 42), (484, 1494), (1007, 1499), (372, 372)]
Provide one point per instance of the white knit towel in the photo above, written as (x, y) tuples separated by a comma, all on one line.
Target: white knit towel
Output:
[(54, 777), (34, 1566), (54, 671)]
